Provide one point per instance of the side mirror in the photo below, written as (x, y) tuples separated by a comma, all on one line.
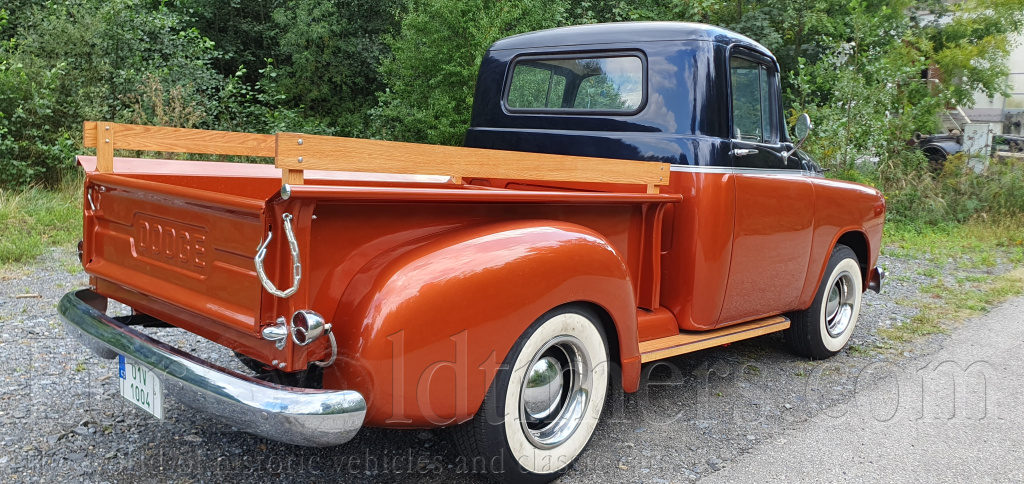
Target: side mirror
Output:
[(803, 128)]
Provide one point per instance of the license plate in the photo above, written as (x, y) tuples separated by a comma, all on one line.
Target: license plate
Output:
[(140, 386)]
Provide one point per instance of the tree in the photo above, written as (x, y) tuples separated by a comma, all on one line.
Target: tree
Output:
[(73, 60), (431, 74), (330, 51)]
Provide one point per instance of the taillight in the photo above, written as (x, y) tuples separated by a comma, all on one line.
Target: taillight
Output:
[(307, 326)]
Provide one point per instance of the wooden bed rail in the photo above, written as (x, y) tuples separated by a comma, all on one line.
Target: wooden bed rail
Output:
[(293, 153)]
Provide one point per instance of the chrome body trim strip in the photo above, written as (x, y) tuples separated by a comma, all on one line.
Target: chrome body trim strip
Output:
[(300, 416), (743, 170)]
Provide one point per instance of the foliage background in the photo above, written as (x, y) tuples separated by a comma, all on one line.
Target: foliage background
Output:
[(405, 70)]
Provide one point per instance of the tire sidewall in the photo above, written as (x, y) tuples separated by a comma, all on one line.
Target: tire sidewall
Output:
[(843, 262), (528, 458)]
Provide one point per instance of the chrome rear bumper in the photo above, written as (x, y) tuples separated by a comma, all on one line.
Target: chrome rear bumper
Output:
[(300, 416)]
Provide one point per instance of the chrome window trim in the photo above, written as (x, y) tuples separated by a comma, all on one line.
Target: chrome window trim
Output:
[(584, 54), (744, 171)]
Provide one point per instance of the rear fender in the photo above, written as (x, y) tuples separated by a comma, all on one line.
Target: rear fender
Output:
[(427, 321)]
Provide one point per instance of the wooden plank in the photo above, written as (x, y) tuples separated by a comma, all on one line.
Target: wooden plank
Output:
[(104, 140), (689, 337), (292, 177), (182, 140), (89, 134), (297, 152), (308, 152), (690, 341)]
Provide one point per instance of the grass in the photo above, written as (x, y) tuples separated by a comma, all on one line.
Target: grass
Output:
[(978, 244), (956, 293), (930, 272), (36, 219)]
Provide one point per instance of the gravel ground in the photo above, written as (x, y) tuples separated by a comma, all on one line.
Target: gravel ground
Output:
[(63, 419)]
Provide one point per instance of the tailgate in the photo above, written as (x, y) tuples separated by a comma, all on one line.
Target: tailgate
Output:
[(190, 248)]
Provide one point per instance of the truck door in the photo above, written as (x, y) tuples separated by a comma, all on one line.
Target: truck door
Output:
[(774, 199)]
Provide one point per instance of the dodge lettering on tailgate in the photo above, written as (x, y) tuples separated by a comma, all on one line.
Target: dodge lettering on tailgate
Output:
[(169, 242)]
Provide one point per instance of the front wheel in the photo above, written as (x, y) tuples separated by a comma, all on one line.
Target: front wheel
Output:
[(544, 403), (823, 330)]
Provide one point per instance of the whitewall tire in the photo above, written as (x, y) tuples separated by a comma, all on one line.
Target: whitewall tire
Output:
[(544, 403), (824, 329)]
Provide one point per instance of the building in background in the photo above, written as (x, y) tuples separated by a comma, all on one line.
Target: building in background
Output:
[(1005, 113)]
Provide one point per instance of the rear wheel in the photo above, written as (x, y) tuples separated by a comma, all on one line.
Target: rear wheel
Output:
[(823, 329), (936, 158), (544, 403)]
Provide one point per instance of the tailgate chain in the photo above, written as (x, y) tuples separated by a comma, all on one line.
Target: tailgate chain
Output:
[(261, 253)]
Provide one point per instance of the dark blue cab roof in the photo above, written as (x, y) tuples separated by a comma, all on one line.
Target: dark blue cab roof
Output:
[(623, 32)]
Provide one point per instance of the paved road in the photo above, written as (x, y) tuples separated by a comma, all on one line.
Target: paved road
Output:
[(954, 416)]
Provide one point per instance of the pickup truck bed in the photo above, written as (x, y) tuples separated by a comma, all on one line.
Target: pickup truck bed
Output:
[(377, 255)]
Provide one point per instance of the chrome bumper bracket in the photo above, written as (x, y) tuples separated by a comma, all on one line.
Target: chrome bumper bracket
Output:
[(876, 279)]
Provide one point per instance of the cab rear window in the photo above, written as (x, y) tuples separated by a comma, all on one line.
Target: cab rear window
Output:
[(577, 84)]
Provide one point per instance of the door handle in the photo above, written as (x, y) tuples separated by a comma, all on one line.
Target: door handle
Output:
[(743, 152)]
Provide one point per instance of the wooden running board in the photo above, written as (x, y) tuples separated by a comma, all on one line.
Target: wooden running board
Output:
[(690, 341)]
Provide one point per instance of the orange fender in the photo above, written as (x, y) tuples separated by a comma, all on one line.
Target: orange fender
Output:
[(423, 328)]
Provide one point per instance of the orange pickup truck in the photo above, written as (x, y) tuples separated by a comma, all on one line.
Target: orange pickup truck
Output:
[(628, 192)]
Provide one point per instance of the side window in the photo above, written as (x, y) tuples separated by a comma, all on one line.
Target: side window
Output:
[(534, 87), (617, 88), (577, 84), (751, 102)]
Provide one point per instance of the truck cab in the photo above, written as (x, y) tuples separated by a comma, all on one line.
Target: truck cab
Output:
[(748, 240)]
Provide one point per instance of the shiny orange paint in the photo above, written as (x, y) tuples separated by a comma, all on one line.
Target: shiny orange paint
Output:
[(771, 241), (696, 258), (748, 245), (464, 296), (843, 209), (427, 284)]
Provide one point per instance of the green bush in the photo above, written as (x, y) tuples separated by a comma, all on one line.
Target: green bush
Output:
[(35, 146), (77, 60), (957, 193), (431, 75)]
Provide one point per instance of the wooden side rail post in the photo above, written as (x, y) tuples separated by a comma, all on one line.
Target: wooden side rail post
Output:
[(297, 152), (104, 140)]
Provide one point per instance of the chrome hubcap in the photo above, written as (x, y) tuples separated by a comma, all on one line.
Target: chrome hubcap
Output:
[(839, 305), (543, 390), (555, 392)]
